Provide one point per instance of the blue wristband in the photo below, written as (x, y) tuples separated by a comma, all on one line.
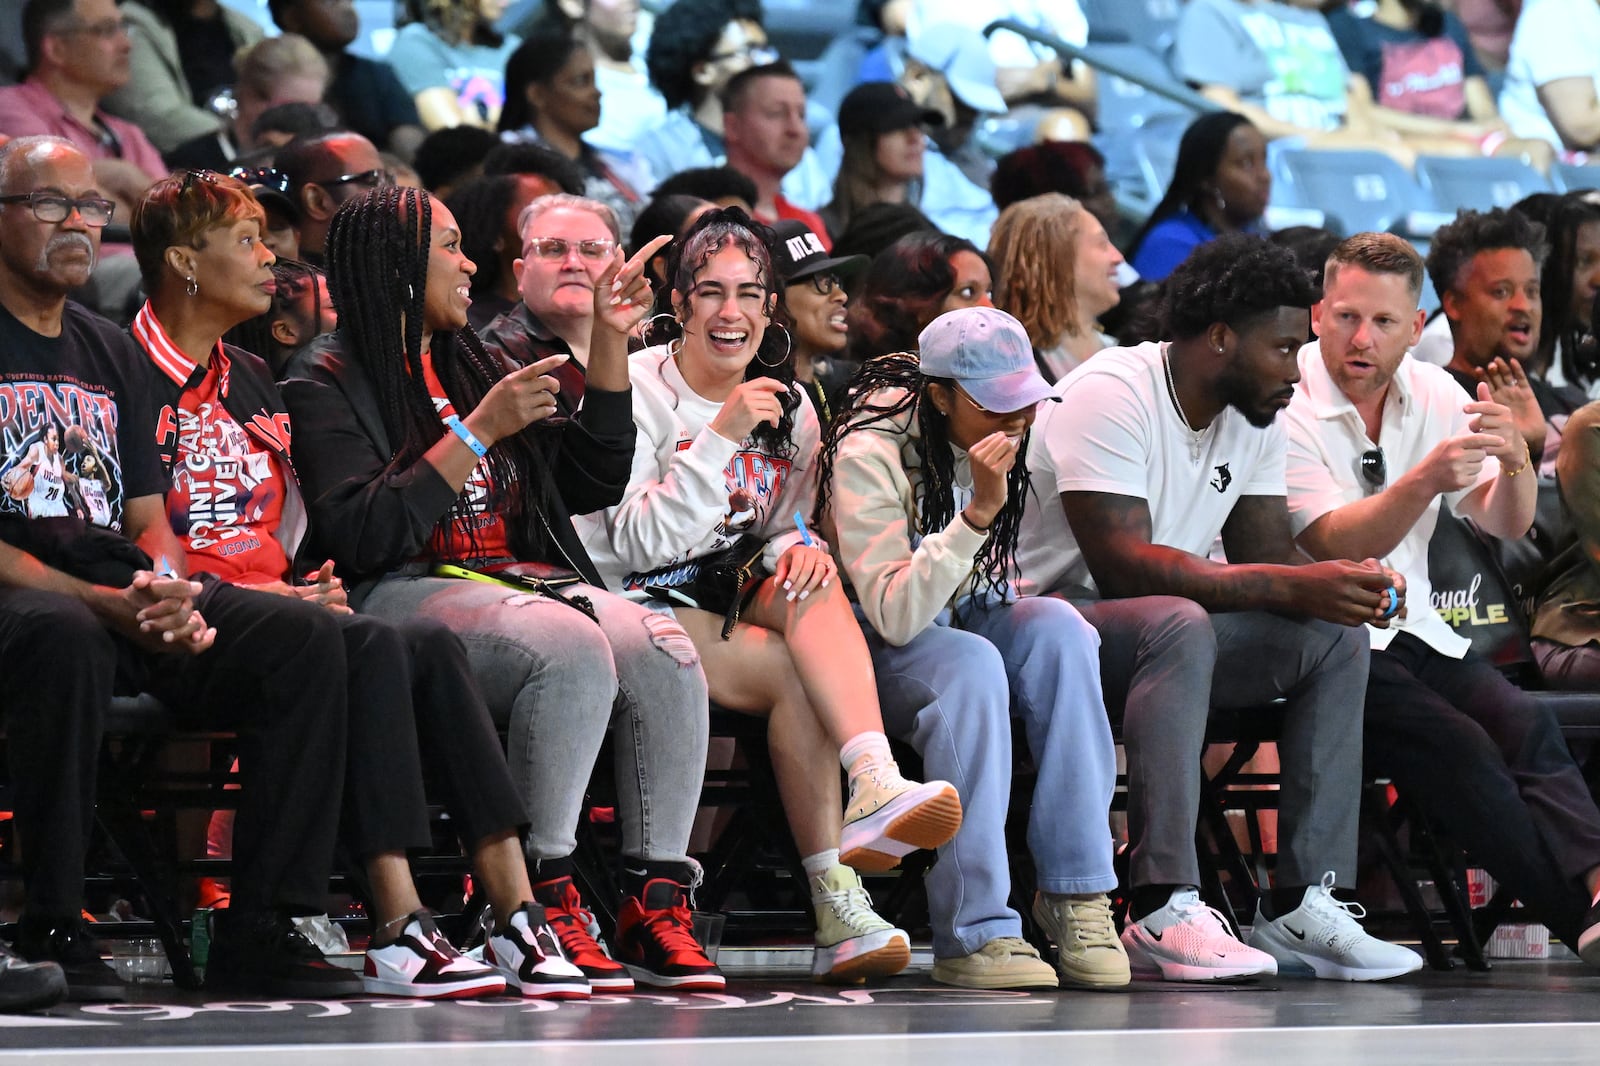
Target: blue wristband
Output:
[(459, 428)]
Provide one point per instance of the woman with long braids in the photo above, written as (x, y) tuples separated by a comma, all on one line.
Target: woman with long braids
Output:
[(238, 515), (922, 489), (441, 484), (724, 458)]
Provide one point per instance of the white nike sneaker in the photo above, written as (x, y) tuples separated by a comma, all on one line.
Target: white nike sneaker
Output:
[(1189, 941), (1322, 938)]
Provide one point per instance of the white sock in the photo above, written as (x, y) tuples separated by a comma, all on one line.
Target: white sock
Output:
[(820, 863), (869, 742)]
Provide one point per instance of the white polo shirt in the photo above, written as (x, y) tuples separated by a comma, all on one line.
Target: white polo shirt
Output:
[(1326, 440), (1116, 431)]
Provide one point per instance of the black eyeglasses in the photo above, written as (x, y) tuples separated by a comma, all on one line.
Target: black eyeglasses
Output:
[(266, 177), (825, 284), (371, 179), (554, 248), (1374, 469), (53, 207)]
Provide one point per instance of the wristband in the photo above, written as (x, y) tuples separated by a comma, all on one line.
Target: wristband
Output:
[(973, 525), (1394, 603), (459, 428)]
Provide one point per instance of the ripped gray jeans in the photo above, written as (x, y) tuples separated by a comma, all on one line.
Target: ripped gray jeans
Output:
[(557, 681)]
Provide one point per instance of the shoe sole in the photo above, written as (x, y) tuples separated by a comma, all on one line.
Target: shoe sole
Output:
[(1143, 963), (550, 990), (860, 962), (1072, 975), (1589, 945), (616, 983), (480, 986), (908, 823), (1044, 981), (699, 982)]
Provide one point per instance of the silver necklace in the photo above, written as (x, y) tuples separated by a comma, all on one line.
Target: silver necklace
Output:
[(1195, 436)]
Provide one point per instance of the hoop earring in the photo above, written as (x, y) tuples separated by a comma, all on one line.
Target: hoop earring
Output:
[(191, 287), (648, 324), (788, 346), (672, 352)]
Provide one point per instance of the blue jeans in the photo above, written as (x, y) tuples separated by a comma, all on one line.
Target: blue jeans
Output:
[(949, 694)]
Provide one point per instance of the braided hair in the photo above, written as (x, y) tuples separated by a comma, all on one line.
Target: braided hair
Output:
[(1563, 328), (893, 387), (378, 249), (774, 356)]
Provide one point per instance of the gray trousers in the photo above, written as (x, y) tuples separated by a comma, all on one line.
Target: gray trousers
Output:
[(1166, 661), (557, 681)]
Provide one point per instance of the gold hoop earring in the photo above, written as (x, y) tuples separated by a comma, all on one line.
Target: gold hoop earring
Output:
[(788, 346), (191, 286)]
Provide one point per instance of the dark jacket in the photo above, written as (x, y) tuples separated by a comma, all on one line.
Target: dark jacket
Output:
[(520, 337), (375, 516)]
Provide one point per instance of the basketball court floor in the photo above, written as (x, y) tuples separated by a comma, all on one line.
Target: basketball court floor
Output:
[(1520, 1012)]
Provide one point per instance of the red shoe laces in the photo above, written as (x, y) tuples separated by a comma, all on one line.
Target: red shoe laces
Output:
[(674, 930)]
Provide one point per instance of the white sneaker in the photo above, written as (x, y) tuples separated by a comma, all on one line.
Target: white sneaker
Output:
[(421, 964), (528, 955), (1188, 941), (853, 942), (1322, 937), (888, 817)]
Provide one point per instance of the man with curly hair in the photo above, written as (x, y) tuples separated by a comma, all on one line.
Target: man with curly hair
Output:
[(1157, 451), (1378, 442), (696, 49)]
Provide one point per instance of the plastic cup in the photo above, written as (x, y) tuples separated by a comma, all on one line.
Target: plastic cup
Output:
[(708, 928), (139, 960)]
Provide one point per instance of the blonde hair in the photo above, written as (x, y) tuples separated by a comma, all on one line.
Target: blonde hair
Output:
[(260, 67), (1034, 246)]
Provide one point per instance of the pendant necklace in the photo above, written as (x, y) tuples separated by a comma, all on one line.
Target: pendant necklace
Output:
[(1195, 436)]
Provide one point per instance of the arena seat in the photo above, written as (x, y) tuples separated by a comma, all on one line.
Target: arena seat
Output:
[(1478, 184)]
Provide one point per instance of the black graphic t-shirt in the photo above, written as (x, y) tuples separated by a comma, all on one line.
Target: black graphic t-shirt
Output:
[(75, 442)]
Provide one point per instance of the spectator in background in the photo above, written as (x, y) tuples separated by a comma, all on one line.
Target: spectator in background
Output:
[(883, 138), (277, 70), (1552, 86), (488, 210), (1566, 630), (1071, 168), (181, 63), (301, 311), (723, 186), (1220, 184), (322, 173), (280, 232), (1568, 285), (1279, 65), (764, 131), (1490, 24), (453, 155), (1057, 273), (815, 310), (1415, 67), (628, 104), (1310, 246), (669, 216), (915, 280), (876, 227), (525, 157), (282, 123), (1055, 97), (452, 61), (366, 93), (552, 99), (947, 69)]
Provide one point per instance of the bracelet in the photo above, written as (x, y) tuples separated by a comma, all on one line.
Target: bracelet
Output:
[(970, 524), (459, 428), (1527, 457)]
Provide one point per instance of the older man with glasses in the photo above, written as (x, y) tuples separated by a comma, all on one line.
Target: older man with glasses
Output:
[(320, 173)]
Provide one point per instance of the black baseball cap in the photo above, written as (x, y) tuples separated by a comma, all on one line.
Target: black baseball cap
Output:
[(882, 107), (798, 253)]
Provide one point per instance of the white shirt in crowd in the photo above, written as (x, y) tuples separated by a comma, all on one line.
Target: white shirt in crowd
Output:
[(1554, 39), (1117, 431), (1326, 441), (693, 491)]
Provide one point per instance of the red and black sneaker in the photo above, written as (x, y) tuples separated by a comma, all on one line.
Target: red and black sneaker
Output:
[(579, 934), (655, 940)]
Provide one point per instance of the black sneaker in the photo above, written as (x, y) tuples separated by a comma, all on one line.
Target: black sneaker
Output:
[(29, 985), (66, 941), (264, 954), (1589, 940)]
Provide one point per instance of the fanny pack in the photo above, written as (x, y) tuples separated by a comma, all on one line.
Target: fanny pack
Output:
[(540, 579), (721, 582)]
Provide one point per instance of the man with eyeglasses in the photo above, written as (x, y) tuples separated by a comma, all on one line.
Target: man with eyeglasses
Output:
[(84, 612), (1378, 441), (322, 172), (567, 241)]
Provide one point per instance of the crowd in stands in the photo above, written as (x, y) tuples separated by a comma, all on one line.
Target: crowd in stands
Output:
[(541, 383)]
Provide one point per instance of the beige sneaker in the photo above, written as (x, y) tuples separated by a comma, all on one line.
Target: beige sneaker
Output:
[(1004, 962), (1088, 953), (853, 942), (889, 817)]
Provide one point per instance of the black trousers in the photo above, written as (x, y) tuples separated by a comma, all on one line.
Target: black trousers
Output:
[(1487, 764)]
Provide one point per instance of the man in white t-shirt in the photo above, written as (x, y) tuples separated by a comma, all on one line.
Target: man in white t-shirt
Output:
[(1552, 86), (1156, 451), (1377, 442)]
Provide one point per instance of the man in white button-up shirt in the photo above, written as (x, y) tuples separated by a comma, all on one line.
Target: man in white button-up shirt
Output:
[(1377, 440)]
